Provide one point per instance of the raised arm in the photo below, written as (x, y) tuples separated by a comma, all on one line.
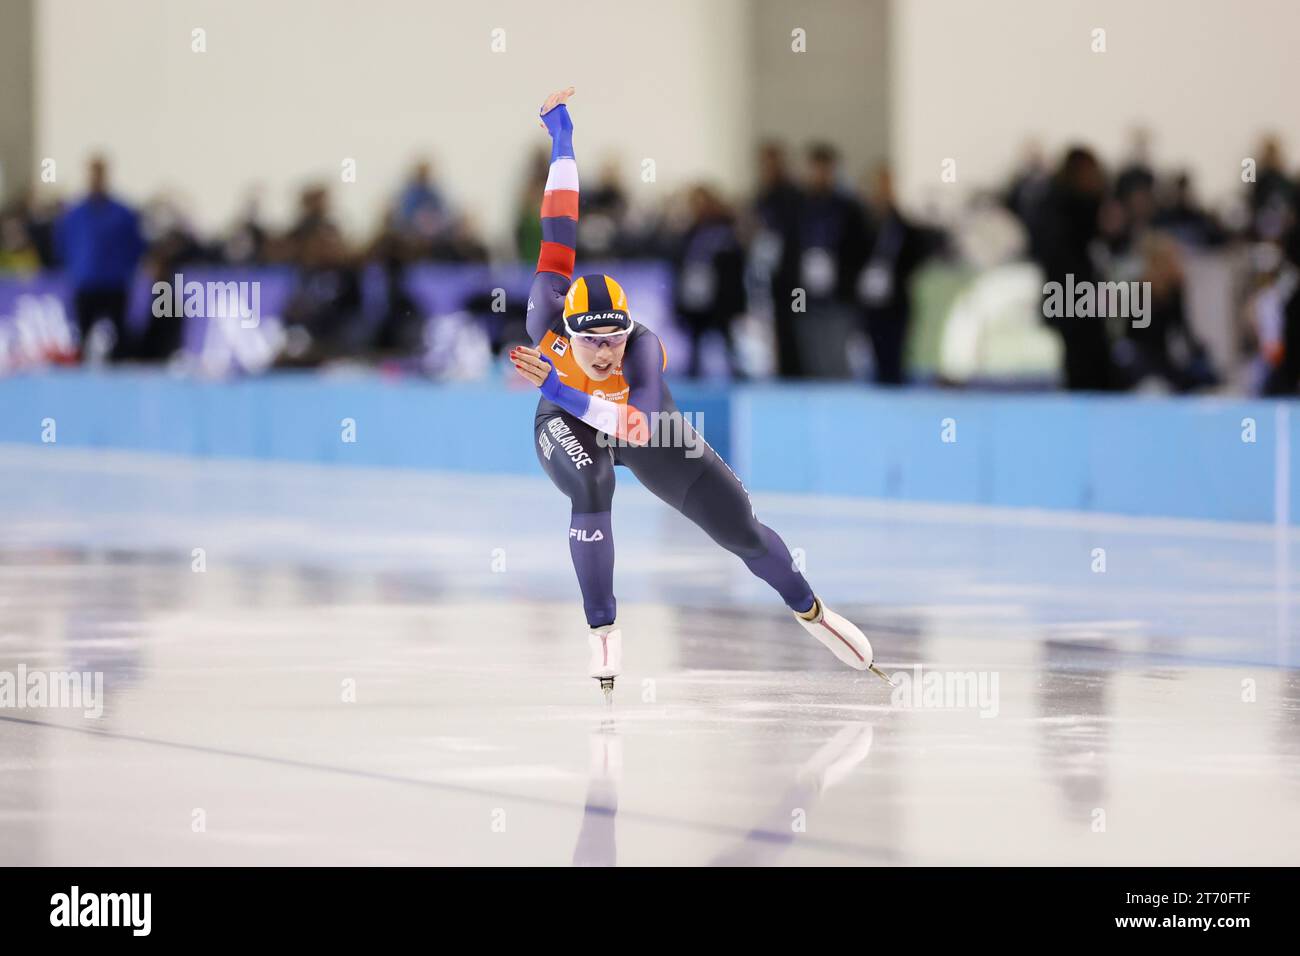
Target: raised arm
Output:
[(559, 219)]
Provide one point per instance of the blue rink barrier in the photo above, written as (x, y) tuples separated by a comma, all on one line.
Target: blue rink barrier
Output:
[(1166, 457), (1183, 458), (300, 416)]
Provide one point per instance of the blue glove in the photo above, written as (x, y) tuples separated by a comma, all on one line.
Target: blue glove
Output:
[(550, 388), (560, 126), (568, 398)]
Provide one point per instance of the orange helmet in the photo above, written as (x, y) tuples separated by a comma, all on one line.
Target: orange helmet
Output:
[(595, 301)]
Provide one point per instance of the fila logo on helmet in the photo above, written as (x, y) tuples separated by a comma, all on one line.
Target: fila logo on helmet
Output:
[(587, 536)]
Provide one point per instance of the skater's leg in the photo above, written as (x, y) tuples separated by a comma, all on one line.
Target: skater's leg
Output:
[(584, 472), (591, 548), (705, 489), (718, 503)]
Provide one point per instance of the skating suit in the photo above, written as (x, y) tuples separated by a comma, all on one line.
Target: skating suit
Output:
[(585, 428)]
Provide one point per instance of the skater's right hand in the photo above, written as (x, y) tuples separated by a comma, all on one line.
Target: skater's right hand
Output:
[(531, 365)]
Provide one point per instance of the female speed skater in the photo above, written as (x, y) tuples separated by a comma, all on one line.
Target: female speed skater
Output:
[(604, 403)]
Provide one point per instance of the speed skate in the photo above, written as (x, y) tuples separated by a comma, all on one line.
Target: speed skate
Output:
[(842, 638), (833, 631), (606, 644)]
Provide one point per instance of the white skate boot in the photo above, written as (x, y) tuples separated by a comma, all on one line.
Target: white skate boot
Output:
[(606, 657), (843, 638)]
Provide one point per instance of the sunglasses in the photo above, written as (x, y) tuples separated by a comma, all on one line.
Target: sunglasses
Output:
[(590, 340)]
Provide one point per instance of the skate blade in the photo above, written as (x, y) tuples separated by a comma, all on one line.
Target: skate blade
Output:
[(881, 674), (607, 685)]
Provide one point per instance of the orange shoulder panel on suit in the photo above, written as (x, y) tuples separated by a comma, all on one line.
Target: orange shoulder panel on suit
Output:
[(559, 350)]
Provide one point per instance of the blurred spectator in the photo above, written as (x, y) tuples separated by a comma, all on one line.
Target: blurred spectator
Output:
[(1029, 183), (401, 326), (896, 249), (1276, 317), (1166, 349), (172, 244), (429, 226), (710, 275), (323, 316), (776, 251), (1136, 175), (1127, 214), (1261, 332), (170, 236), (1285, 377), (1180, 215), (42, 225), (314, 219), (421, 211), (603, 215), (246, 244), (832, 242), (18, 253), (1272, 196), (1062, 238), (528, 223), (100, 243), (459, 242), (32, 230)]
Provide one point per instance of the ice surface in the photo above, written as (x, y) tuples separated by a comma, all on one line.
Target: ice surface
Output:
[(1143, 715)]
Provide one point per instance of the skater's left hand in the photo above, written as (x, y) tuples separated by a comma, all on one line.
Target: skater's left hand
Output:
[(530, 364), (558, 98)]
